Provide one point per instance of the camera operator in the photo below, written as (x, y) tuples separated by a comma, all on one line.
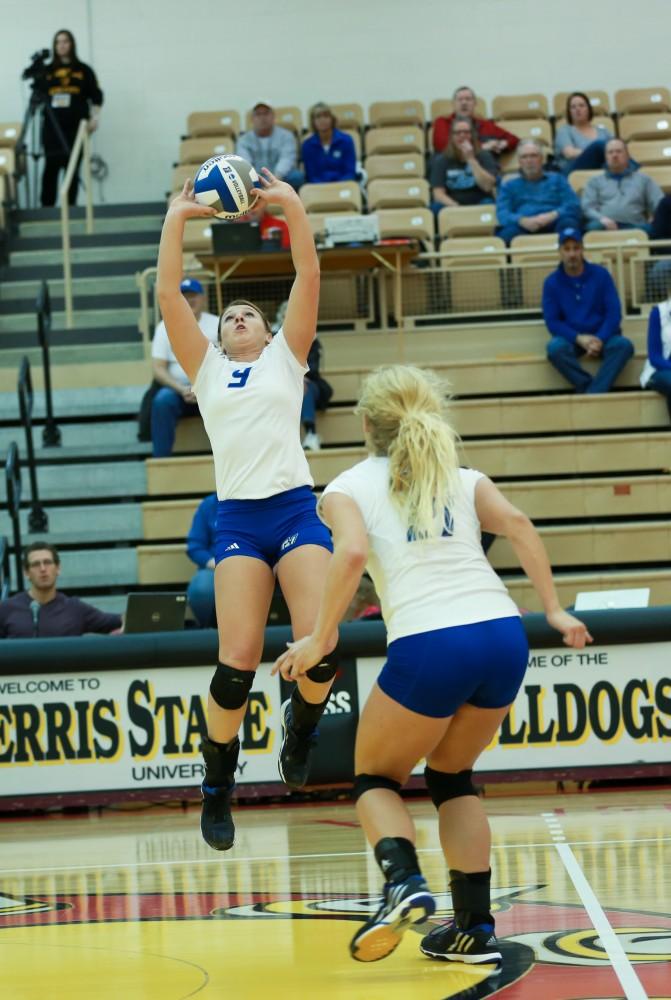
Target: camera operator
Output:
[(71, 93)]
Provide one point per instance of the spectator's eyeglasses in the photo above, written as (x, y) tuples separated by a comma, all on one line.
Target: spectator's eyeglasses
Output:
[(41, 562)]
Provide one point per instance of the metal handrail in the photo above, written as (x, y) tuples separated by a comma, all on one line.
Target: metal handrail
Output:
[(13, 485), (5, 569), (82, 145), (51, 435), (37, 518)]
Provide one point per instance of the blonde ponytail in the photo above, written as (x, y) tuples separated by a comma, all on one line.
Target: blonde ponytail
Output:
[(406, 416)]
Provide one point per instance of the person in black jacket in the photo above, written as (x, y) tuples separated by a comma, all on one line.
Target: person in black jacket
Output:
[(72, 94), (317, 395)]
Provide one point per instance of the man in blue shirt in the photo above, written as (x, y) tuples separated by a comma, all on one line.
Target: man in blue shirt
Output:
[(582, 312), (200, 550), (536, 201)]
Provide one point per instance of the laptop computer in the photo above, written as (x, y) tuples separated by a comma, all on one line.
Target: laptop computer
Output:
[(154, 612), (235, 237)]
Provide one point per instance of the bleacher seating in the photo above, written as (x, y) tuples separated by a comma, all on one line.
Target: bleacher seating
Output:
[(642, 100), (573, 462), (510, 107)]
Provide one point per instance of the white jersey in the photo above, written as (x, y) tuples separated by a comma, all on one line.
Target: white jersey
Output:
[(161, 348), (251, 411), (425, 585)]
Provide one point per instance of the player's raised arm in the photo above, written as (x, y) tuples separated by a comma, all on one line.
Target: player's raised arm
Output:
[(300, 323), (188, 342)]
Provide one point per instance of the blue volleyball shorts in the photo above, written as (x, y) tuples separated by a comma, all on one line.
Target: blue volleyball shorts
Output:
[(268, 529), (434, 673)]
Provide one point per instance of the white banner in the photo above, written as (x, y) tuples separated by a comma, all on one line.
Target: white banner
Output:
[(122, 729)]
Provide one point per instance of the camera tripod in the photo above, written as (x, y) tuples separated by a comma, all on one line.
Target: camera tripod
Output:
[(30, 135)]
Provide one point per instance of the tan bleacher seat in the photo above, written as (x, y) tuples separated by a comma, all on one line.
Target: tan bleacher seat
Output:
[(180, 174), (629, 244), (385, 113), (651, 152), (662, 175), (197, 235), (392, 165), (534, 268), (196, 151), (350, 116), (530, 128), (398, 193), (339, 196), (443, 107), (598, 99), (204, 123), (652, 126), (466, 220), (509, 107), (7, 160), (288, 116), (578, 179), (413, 223), (9, 133), (642, 100), (394, 140), (475, 266)]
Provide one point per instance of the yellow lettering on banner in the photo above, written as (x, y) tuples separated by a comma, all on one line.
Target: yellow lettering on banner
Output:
[(257, 737)]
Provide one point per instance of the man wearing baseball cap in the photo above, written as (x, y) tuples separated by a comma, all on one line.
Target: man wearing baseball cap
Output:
[(174, 398), (269, 145), (582, 312)]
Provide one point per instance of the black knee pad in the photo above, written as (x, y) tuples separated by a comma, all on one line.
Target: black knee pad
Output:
[(364, 783), (230, 687), (443, 786), (324, 671)]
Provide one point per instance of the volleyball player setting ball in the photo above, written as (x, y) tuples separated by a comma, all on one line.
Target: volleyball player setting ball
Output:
[(456, 656), (250, 393)]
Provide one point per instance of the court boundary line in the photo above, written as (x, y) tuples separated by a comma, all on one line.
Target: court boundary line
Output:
[(617, 956), (299, 857)]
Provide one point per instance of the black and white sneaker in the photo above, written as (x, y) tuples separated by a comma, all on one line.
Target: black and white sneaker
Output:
[(476, 946), (403, 903), (294, 758)]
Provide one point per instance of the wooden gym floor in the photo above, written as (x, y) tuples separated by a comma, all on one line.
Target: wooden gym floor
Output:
[(132, 905)]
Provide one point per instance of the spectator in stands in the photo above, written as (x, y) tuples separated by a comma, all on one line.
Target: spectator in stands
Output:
[(536, 201), (73, 95), (42, 611), (493, 138), (623, 197), (273, 229), (465, 174), (580, 145), (200, 550), (317, 393), (656, 373), (328, 154), (269, 145), (582, 312), (660, 229), (175, 398)]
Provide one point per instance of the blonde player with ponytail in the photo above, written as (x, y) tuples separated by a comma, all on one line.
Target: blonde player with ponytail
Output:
[(456, 652)]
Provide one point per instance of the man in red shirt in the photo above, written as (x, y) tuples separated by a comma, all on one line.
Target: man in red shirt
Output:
[(492, 138)]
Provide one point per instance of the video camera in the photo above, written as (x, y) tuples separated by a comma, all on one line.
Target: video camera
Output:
[(37, 67)]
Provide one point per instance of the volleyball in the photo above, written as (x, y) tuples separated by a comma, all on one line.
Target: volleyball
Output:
[(226, 184)]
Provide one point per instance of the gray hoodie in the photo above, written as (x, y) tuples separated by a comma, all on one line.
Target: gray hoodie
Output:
[(630, 197)]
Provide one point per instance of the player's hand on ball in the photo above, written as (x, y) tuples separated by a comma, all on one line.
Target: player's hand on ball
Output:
[(299, 657), (185, 204), (274, 191), (572, 629)]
